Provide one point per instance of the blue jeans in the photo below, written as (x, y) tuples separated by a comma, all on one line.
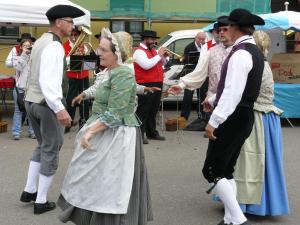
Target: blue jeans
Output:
[(17, 118)]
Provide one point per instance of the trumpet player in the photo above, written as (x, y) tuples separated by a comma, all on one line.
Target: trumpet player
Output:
[(148, 68), (78, 81)]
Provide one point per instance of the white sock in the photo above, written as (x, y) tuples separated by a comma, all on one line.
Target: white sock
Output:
[(32, 176), (233, 185), (225, 191), (44, 185)]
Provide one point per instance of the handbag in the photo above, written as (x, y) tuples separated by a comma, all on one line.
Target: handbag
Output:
[(20, 100)]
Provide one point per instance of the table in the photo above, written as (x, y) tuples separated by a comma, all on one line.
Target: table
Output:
[(5, 84), (287, 98)]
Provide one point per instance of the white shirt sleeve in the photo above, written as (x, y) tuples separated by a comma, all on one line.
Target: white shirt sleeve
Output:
[(239, 67), (9, 60), (51, 75), (196, 78), (140, 57)]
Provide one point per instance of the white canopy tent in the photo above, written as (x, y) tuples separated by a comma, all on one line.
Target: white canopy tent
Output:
[(32, 13)]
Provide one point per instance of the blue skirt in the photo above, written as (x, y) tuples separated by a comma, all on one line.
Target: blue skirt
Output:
[(274, 201)]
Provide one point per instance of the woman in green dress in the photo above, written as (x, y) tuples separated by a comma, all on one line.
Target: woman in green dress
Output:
[(106, 182)]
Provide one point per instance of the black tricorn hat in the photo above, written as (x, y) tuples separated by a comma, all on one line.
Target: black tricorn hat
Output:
[(26, 36), (242, 17), (61, 11), (98, 35), (149, 33)]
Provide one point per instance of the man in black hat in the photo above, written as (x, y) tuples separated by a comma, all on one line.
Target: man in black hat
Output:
[(232, 118), (148, 68), (45, 105)]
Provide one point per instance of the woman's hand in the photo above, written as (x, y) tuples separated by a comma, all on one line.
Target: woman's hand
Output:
[(85, 140), (78, 99), (96, 127)]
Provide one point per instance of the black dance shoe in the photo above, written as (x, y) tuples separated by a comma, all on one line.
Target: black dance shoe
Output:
[(28, 197), (40, 208), (157, 137)]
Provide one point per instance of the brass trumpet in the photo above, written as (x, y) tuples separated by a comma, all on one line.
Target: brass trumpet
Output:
[(84, 33), (180, 57)]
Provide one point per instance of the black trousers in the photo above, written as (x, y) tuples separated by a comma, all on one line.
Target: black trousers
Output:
[(188, 101), (76, 86), (223, 152), (148, 106)]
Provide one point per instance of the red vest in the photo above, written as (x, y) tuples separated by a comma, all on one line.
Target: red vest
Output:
[(73, 74), (210, 44), (155, 74)]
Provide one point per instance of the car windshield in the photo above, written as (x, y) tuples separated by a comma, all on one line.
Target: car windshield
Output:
[(163, 40)]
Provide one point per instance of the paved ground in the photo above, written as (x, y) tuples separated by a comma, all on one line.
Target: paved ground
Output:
[(174, 167)]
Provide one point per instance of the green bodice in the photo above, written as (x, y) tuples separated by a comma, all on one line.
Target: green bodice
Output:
[(115, 99)]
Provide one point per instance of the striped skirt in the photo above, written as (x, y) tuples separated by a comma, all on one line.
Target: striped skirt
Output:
[(139, 209)]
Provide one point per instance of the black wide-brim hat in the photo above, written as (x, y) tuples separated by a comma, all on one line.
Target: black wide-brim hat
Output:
[(149, 33), (61, 11), (26, 36), (241, 17)]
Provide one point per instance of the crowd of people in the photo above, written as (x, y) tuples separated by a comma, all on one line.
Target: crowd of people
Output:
[(107, 182)]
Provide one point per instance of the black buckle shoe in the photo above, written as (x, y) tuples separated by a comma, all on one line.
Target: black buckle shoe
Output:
[(40, 208), (223, 223), (157, 137), (28, 197)]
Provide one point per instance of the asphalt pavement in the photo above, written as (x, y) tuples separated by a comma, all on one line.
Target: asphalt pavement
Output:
[(174, 169)]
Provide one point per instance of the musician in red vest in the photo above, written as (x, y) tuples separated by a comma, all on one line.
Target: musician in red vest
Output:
[(148, 68), (78, 81)]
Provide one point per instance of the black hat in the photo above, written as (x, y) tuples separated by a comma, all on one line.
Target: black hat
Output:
[(61, 11), (98, 35), (242, 17), (26, 36), (149, 33), (215, 27), (220, 24)]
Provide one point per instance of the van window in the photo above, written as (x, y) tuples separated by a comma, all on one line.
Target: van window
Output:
[(178, 47), (163, 40)]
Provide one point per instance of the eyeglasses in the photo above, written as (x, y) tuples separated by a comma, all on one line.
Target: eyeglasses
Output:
[(224, 29), (68, 21)]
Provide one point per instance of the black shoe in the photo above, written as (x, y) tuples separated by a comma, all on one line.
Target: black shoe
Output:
[(28, 197), (157, 137), (40, 208), (223, 223), (145, 140), (67, 129)]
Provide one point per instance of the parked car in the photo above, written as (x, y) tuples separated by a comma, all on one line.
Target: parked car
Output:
[(176, 42)]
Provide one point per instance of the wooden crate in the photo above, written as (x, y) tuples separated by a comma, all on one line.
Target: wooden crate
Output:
[(3, 127)]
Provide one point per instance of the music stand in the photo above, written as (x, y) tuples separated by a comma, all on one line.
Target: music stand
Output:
[(80, 63)]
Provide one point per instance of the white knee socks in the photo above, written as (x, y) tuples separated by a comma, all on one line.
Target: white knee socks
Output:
[(32, 177), (226, 193), (44, 185)]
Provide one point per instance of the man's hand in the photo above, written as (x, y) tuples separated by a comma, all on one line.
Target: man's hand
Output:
[(162, 51), (175, 90), (151, 89), (78, 99), (206, 106), (210, 132), (64, 118)]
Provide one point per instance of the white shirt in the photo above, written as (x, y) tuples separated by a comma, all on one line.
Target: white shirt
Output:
[(140, 57), (238, 69), (51, 75), (9, 60)]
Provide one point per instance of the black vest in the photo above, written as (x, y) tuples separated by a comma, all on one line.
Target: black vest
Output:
[(253, 83)]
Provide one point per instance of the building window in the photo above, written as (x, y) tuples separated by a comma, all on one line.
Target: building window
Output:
[(9, 33), (255, 6), (132, 27)]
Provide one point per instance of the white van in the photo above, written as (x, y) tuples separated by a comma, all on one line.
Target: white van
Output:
[(176, 42)]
